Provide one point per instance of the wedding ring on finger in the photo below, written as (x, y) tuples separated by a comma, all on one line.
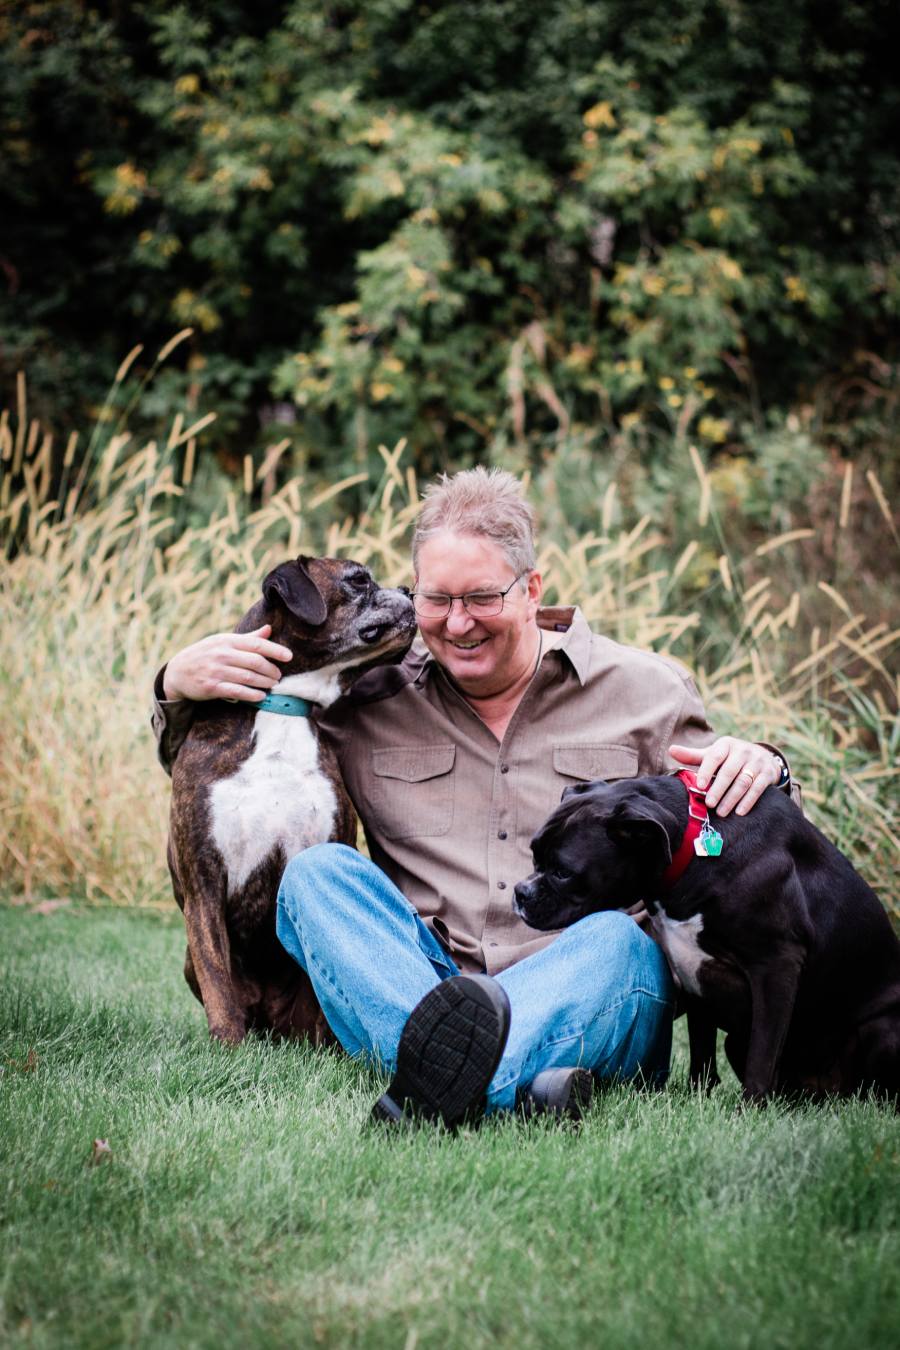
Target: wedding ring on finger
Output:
[(745, 773)]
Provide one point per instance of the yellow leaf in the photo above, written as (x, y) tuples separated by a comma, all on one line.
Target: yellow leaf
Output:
[(600, 115), (730, 269)]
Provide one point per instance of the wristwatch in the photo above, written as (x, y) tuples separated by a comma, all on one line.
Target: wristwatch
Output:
[(785, 779)]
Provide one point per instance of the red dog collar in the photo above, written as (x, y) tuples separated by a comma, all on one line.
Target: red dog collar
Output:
[(697, 815)]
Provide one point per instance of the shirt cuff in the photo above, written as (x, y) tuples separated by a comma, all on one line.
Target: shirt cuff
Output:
[(171, 720)]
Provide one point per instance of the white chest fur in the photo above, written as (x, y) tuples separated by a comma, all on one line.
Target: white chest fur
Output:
[(679, 940), (278, 798)]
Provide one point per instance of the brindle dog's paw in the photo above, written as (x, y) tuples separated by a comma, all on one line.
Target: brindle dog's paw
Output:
[(231, 1034)]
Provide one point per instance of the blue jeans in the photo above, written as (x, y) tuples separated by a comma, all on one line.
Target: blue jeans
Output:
[(599, 996)]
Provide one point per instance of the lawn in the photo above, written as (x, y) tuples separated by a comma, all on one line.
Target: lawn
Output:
[(244, 1199)]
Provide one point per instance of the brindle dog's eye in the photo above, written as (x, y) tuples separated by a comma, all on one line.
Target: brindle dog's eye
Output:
[(358, 582)]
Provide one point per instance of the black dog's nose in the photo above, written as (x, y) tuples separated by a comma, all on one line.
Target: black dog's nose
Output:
[(404, 590)]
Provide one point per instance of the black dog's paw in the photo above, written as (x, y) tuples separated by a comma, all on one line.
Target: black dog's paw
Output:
[(704, 1080), (753, 1098)]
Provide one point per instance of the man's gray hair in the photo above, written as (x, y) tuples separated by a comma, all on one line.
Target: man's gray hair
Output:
[(488, 503)]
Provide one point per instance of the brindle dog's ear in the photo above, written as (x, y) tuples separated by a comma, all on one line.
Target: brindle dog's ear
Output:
[(634, 825), (294, 587)]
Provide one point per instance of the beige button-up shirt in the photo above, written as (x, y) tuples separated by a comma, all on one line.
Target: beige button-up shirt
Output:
[(448, 812)]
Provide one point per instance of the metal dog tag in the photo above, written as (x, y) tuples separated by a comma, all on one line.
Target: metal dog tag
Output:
[(709, 842)]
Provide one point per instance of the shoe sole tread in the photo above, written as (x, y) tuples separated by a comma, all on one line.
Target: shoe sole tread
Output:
[(448, 1051)]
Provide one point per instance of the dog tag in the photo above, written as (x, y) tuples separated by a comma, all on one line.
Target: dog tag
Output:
[(709, 842)]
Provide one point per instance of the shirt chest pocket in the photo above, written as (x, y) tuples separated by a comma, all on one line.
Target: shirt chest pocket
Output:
[(413, 790), (578, 762), (581, 763)]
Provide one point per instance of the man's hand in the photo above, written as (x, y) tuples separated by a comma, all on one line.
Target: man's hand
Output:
[(238, 666), (739, 772)]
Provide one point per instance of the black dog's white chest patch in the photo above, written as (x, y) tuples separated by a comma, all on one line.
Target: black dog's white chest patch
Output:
[(679, 939)]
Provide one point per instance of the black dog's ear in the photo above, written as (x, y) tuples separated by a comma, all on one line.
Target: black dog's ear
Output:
[(577, 789), (634, 826), (291, 583)]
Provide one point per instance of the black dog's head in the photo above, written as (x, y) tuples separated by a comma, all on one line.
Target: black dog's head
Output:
[(602, 848), (331, 612)]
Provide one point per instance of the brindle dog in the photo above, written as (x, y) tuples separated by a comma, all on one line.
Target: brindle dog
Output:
[(252, 788)]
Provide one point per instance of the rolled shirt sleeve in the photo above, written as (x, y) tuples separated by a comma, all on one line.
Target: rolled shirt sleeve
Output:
[(171, 720)]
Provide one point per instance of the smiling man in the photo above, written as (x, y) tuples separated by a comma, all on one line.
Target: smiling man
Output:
[(453, 760)]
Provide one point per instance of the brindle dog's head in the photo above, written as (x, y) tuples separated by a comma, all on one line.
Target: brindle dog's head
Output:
[(332, 613), (602, 847)]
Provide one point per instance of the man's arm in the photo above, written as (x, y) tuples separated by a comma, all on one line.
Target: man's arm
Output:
[(171, 721), (736, 772), (236, 666)]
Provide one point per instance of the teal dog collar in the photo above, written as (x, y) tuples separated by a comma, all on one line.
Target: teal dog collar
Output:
[(286, 704)]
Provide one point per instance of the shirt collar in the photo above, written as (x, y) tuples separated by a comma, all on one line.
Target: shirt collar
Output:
[(566, 620), (576, 635)]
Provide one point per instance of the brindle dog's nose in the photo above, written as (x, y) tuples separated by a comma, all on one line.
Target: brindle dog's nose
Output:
[(373, 632)]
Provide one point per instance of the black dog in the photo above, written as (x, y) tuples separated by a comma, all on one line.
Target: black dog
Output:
[(255, 784), (777, 940)]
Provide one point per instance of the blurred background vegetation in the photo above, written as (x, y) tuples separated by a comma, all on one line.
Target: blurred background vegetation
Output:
[(495, 228), (645, 254)]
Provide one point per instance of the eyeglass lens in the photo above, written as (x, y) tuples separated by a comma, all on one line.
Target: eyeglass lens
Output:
[(480, 603)]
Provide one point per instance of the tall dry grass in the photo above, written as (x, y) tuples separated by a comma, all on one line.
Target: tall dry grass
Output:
[(103, 580)]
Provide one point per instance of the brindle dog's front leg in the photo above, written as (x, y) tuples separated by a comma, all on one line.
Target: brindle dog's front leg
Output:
[(702, 1031), (190, 976), (210, 956)]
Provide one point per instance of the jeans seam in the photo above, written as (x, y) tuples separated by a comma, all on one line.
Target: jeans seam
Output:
[(573, 1035), (443, 960), (327, 978), (611, 1008)]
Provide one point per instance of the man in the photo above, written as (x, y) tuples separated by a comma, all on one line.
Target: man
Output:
[(453, 760)]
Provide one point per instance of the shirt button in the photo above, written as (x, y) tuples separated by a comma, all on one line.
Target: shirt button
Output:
[(501, 834), (493, 944), (501, 885), (504, 768)]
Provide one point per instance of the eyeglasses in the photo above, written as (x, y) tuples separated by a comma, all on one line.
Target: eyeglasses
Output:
[(480, 604)]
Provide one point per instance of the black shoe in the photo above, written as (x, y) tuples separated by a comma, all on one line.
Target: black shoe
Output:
[(448, 1052), (558, 1092)]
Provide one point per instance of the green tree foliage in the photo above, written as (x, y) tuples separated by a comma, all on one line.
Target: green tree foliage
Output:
[(490, 227)]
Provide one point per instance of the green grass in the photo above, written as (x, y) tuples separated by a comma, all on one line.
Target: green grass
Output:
[(245, 1201)]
